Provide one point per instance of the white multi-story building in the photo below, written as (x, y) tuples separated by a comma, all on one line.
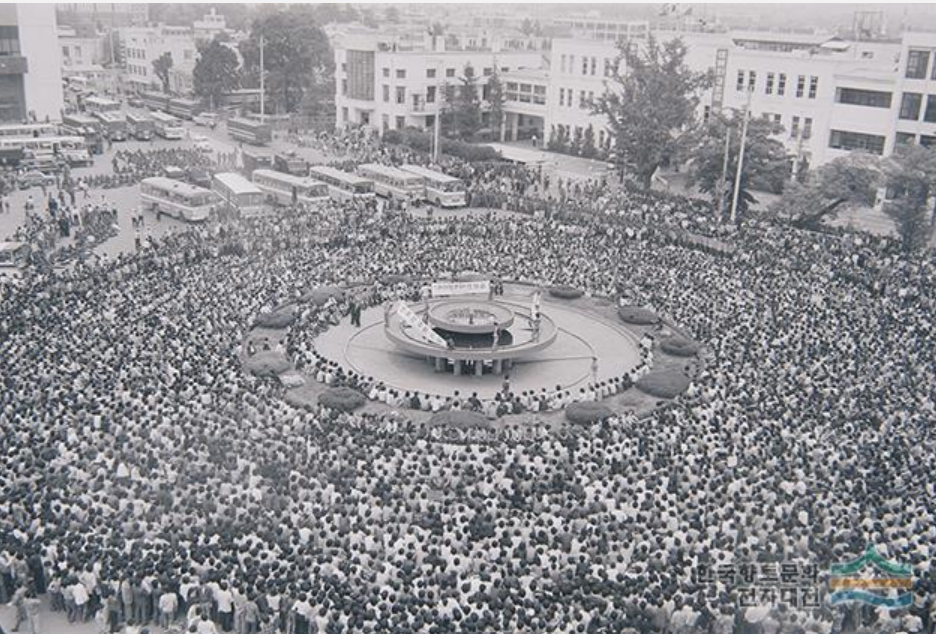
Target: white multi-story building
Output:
[(30, 63), (144, 45), (390, 83), (830, 96)]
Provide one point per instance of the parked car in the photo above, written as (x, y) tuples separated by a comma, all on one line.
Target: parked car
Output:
[(201, 143), (34, 178), (135, 102), (208, 119)]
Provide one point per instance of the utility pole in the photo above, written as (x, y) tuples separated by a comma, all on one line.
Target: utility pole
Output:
[(437, 128), (737, 182), (262, 90)]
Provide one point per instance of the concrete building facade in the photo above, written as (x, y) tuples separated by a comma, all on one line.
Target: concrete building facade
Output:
[(143, 45), (30, 63)]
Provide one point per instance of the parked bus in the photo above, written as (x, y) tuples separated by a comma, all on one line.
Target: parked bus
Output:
[(140, 126), (95, 105), (255, 160), (439, 188), (238, 193), (154, 100), (248, 131), (393, 183), (290, 163), (343, 186), (184, 108), (283, 188), (28, 129), (113, 125), (87, 127), (167, 126), (48, 149), (178, 199)]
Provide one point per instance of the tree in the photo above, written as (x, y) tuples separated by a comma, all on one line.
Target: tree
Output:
[(765, 159), (651, 99), (437, 29), (296, 56), (588, 143), (911, 176), (215, 72), (466, 109), (496, 99), (850, 180), (161, 67)]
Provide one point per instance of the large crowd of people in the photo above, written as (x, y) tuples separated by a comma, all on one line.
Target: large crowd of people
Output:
[(146, 479)]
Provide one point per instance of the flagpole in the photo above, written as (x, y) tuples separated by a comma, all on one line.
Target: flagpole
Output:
[(262, 90), (737, 182)]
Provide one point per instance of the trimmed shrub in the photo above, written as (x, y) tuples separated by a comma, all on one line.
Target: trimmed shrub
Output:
[(665, 384), (421, 141), (638, 316), (680, 346), (343, 399), (459, 420), (267, 364), (322, 294), (587, 412), (566, 292), (275, 319)]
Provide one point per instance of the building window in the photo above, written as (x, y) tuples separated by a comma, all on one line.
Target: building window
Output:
[(794, 127), (927, 140), (584, 65), (386, 72), (430, 94), (868, 98), (386, 93), (929, 115), (905, 138), (344, 67), (564, 60), (594, 66), (917, 62), (561, 97), (344, 86), (449, 72), (778, 119), (401, 94), (505, 69), (781, 84), (768, 87), (751, 79), (800, 86), (400, 123), (807, 127), (845, 140), (430, 73), (488, 72), (344, 114), (401, 73), (385, 122), (910, 106), (608, 68), (740, 85), (813, 87)]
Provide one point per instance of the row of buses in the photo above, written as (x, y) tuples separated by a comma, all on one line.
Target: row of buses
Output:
[(248, 197)]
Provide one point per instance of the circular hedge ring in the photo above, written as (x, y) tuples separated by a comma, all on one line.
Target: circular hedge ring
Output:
[(458, 419), (587, 412), (638, 316), (319, 296), (267, 364), (680, 346), (665, 384), (275, 319), (343, 399), (566, 292)]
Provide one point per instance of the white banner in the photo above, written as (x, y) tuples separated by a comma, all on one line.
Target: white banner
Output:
[(444, 289), (425, 330)]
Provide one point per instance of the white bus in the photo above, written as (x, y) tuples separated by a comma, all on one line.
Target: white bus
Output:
[(439, 188), (73, 149), (140, 126), (238, 193), (167, 126), (393, 183), (28, 129), (178, 199), (343, 186), (280, 188), (101, 104)]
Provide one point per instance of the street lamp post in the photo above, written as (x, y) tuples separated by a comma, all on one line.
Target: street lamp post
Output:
[(737, 182)]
